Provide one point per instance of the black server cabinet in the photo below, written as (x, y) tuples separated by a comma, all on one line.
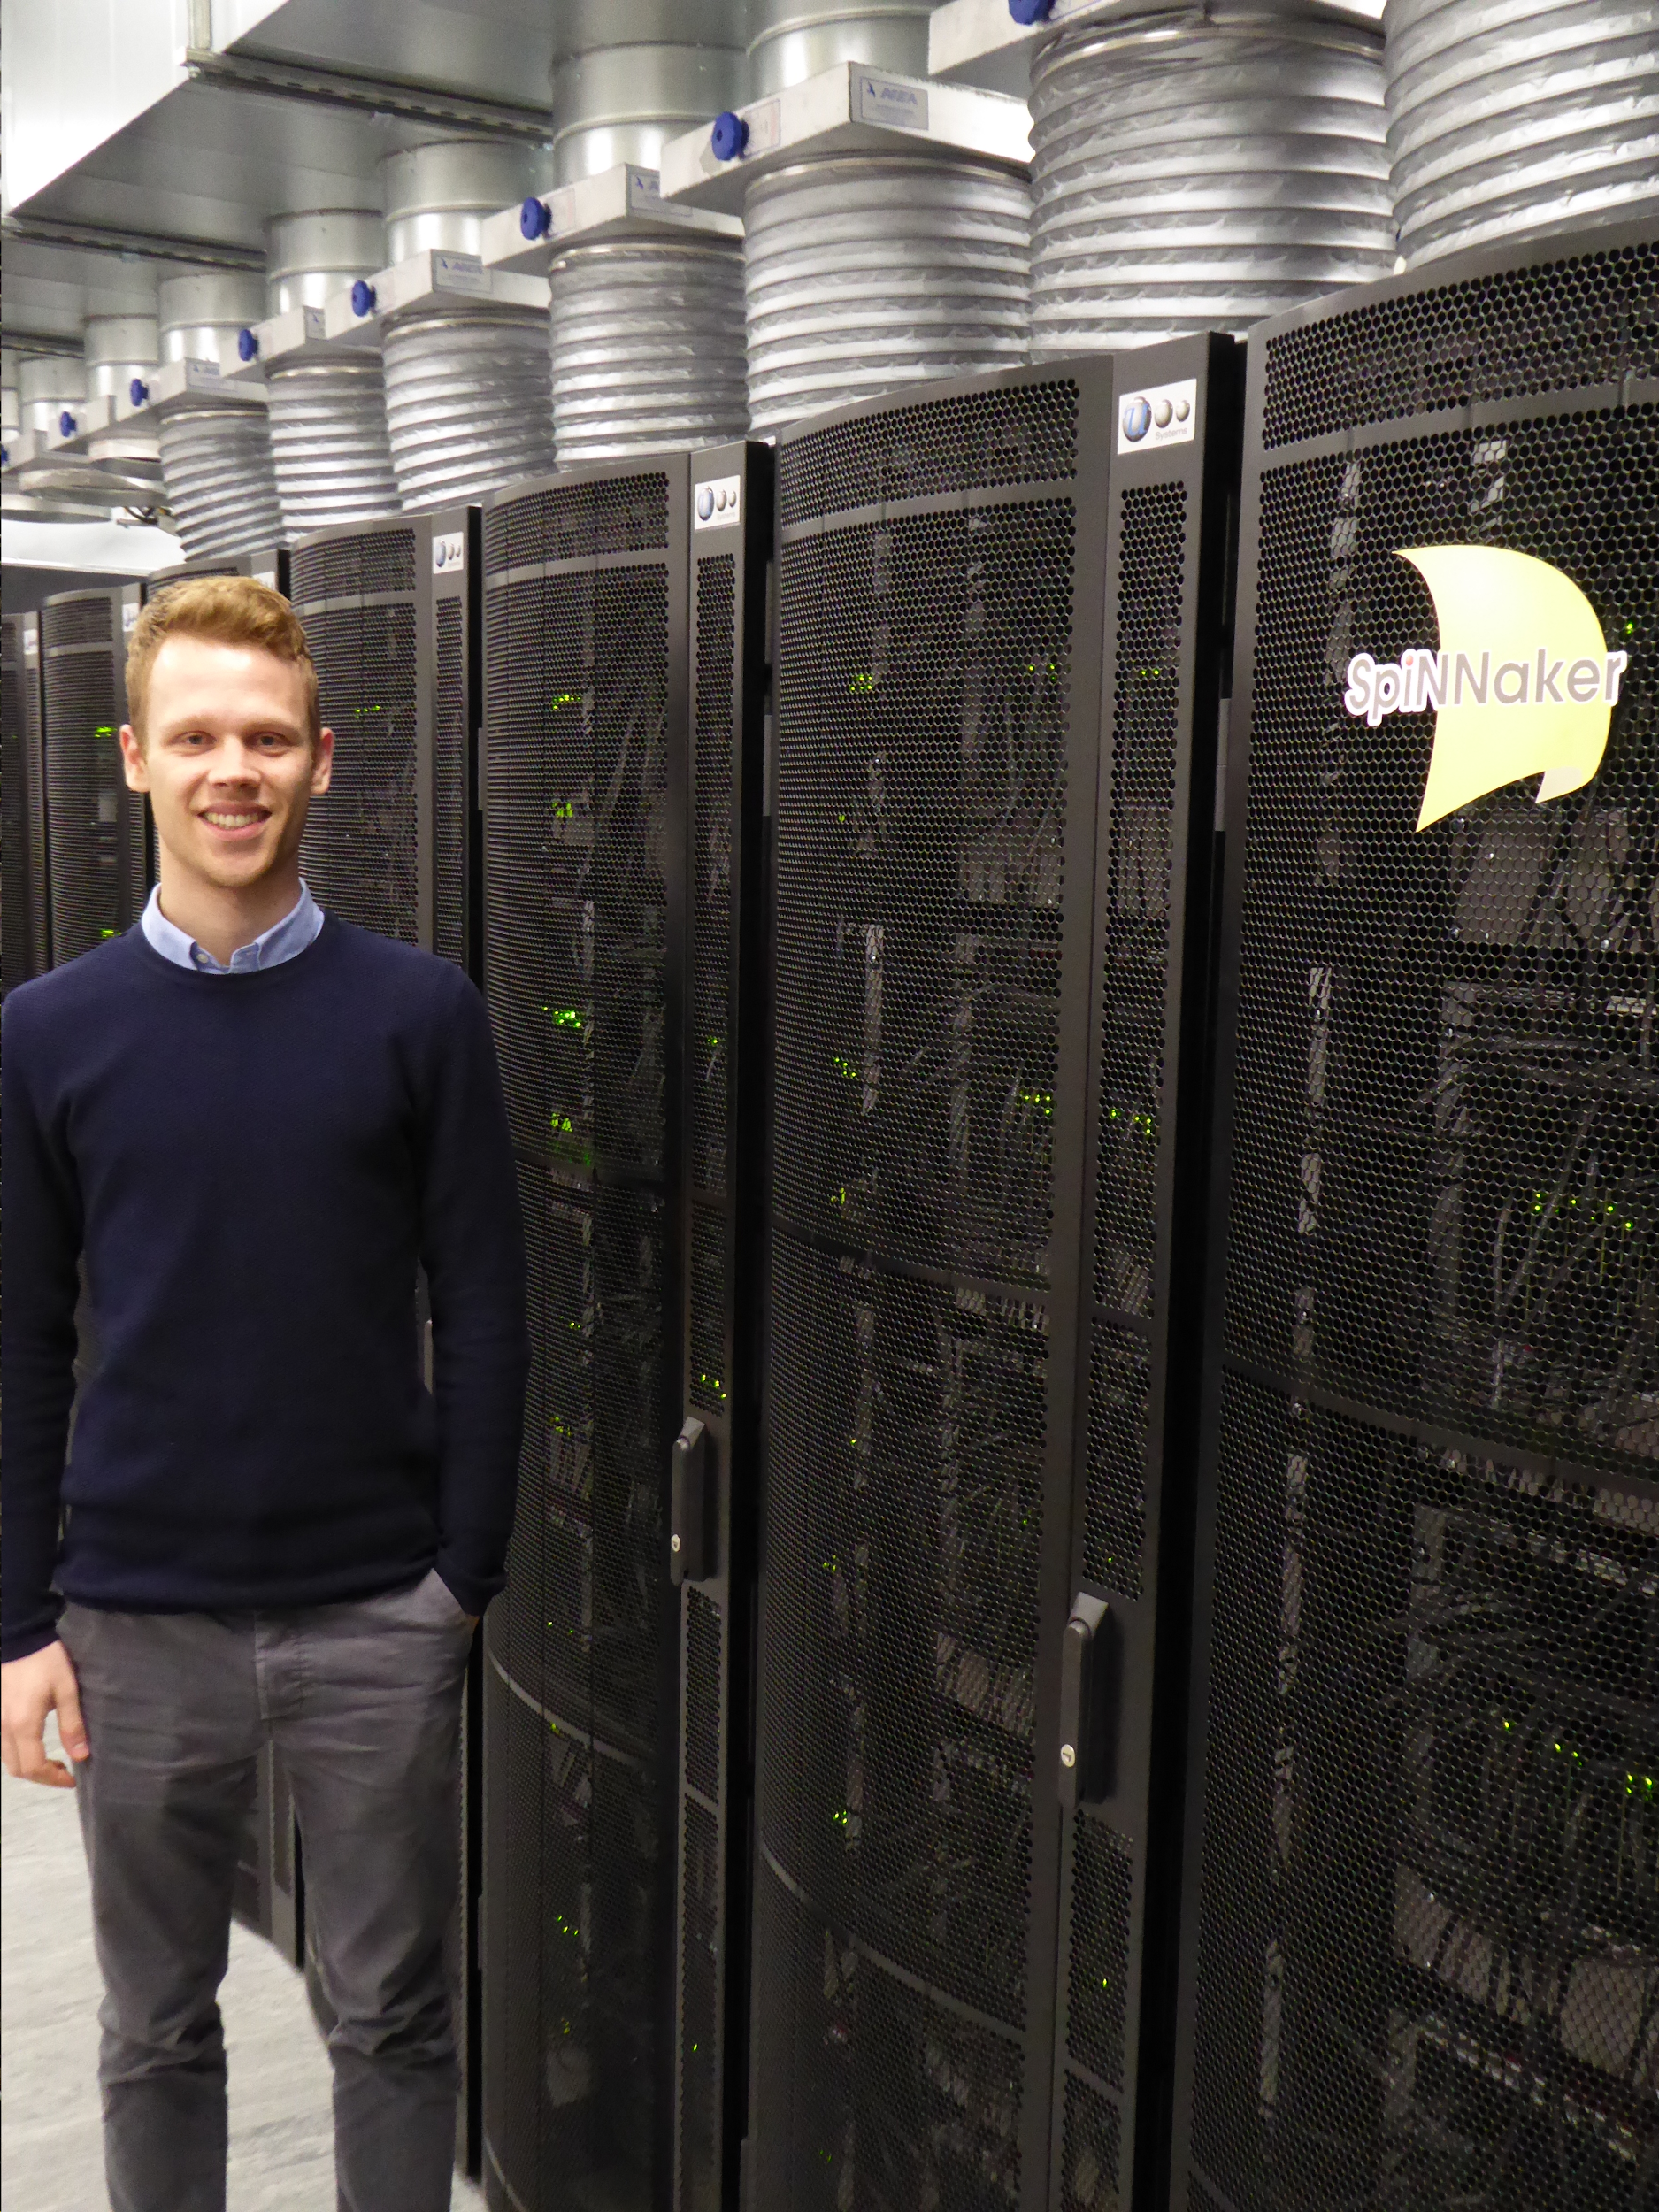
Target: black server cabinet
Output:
[(266, 565), (585, 621), (25, 915), (992, 684), (98, 847), (1421, 1968), (714, 1491), (390, 610)]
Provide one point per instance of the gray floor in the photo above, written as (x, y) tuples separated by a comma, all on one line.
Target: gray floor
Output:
[(281, 2158)]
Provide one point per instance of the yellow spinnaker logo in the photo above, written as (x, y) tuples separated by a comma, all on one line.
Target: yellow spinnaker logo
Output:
[(1523, 683)]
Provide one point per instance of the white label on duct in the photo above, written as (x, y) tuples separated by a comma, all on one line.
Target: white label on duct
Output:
[(1162, 414), (766, 126), (31, 642), (449, 552), (129, 615), (715, 504), (459, 273), (889, 100), (645, 189)]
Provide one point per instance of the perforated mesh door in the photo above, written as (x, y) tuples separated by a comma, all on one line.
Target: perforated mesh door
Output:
[(97, 875), (924, 765), (583, 720), (23, 915), (361, 852), (1427, 1955), (450, 798)]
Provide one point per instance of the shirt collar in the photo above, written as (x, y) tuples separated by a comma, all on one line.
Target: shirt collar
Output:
[(281, 942)]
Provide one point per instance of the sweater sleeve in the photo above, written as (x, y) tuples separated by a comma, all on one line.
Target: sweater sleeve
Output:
[(472, 1251), (40, 1203)]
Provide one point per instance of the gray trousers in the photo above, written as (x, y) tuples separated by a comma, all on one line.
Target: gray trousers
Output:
[(364, 1704)]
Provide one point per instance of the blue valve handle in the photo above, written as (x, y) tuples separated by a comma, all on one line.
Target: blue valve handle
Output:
[(1031, 11), (247, 344), (729, 136), (535, 217), (65, 424), (363, 297), (138, 391)]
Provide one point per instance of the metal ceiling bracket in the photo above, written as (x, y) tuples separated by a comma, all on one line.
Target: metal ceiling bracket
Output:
[(389, 96), (140, 245)]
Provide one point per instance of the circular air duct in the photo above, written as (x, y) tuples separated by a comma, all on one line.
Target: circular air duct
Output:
[(47, 384), (647, 331), (11, 405), (215, 446), (327, 412), (1201, 167), (117, 349), (866, 272), (466, 398), (794, 40), (1509, 117)]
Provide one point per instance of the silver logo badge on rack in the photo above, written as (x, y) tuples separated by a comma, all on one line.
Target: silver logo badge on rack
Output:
[(715, 504)]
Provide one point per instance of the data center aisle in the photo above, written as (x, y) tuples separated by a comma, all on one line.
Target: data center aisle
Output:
[(50, 2160)]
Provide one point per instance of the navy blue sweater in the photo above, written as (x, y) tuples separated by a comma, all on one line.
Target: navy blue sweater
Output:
[(252, 1166)]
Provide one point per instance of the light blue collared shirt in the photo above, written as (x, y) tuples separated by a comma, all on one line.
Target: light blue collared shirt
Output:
[(297, 929)]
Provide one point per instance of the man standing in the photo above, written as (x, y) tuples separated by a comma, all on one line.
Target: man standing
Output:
[(249, 1122)]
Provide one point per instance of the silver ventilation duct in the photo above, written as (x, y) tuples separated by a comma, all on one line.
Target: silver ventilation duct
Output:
[(118, 347), (328, 410), (1508, 117), (47, 384), (792, 39), (215, 446), (869, 271), (11, 405), (647, 328), (467, 398), (1199, 167)]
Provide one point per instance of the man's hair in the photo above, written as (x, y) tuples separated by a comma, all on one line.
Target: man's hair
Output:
[(227, 611)]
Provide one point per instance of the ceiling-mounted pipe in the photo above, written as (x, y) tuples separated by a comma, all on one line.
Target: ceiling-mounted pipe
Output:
[(216, 445), (1201, 166), (117, 349), (792, 39), (1507, 117), (48, 383), (328, 410), (11, 405), (647, 328), (467, 398)]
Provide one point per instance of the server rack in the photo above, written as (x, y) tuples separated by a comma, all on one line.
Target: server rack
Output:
[(585, 619), (992, 689), (98, 850), (1421, 1949), (714, 1495), (265, 563), (25, 915), (391, 609)]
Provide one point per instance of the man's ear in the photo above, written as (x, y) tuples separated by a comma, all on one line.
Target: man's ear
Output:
[(322, 762), (134, 764)]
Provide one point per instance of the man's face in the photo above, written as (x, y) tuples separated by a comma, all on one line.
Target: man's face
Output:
[(226, 760)]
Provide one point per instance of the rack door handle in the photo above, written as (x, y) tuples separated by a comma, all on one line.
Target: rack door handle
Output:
[(691, 1498), (1084, 1702)]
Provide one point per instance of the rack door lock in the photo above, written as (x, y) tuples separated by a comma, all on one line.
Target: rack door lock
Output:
[(1088, 1698), (691, 1539)]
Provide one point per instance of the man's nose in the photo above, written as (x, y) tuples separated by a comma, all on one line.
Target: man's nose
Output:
[(236, 763)]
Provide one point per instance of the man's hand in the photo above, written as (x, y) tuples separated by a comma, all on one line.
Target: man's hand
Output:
[(29, 1689)]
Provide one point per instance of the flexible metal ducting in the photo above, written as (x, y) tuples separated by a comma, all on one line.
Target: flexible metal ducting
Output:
[(647, 332), (648, 346), (862, 271), (215, 447), (866, 272), (1199, 167), (327, 414), (1507, 117), (118, 347), (466, 396), (795, 39)]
